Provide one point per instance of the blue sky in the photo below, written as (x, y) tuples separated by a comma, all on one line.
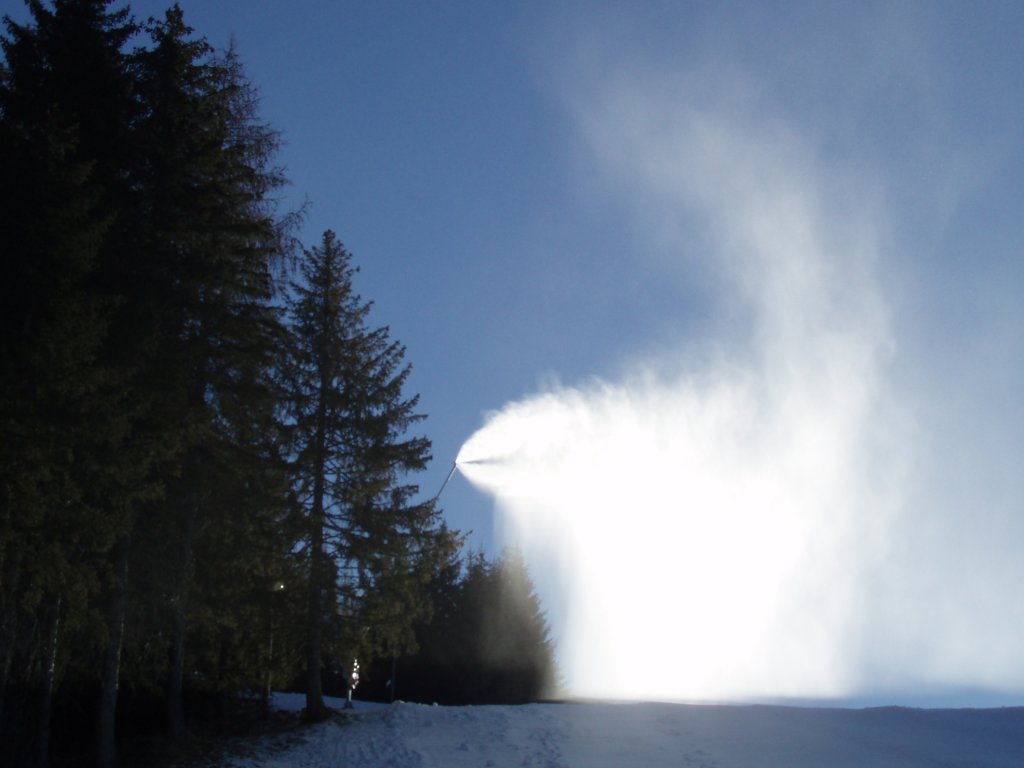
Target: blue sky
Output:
[(563, 199)]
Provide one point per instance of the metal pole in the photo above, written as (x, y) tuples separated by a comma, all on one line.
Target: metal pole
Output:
[(445, 483)]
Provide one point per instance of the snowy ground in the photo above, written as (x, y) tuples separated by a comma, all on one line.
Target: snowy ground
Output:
[(641, 734)]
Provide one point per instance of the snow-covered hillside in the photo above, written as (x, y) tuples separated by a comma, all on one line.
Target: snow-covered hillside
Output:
[(645, 734)]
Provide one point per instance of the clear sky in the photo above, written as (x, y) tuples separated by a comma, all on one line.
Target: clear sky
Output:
[(560, 199)]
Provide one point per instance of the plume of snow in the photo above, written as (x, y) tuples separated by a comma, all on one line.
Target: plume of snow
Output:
[(708, 521)]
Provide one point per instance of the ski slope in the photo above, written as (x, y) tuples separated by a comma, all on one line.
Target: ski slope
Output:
[(652, 735)]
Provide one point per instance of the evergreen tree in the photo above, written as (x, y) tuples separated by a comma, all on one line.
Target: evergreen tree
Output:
[(138, 358), (211, 238), (68, 478), (365, 537), (487, 642), (515, 647)]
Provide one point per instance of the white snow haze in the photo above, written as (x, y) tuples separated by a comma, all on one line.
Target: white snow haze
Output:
[(762, 509)]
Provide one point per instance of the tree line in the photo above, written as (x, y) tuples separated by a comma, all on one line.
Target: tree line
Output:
[(208, 449), (485, 643)]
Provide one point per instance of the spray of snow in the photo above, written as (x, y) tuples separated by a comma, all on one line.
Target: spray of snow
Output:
[(722, 520), (707, 526)]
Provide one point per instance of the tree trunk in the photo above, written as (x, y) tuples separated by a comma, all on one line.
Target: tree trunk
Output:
[(176, 667), (110, 671), (394, 676), (315, 708), (48, 676), (8, 629), (268, 687)]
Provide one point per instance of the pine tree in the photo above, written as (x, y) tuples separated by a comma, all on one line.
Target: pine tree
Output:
[(65, 100), (487, 641), (137, 362), (365, 537), (515, 646), (211, 238)]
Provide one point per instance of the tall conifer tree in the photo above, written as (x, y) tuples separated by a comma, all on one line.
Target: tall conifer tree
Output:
[(211, 237), (363, 531), (67, 482), (138, 350)]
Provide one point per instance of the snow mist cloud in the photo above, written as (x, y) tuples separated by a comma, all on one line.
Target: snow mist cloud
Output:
[(728, 519)]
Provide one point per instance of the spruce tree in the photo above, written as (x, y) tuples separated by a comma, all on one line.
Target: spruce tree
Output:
[(67, 482), (487, 641), (516, 649), (365, 536), (211, 239), (137, 362)]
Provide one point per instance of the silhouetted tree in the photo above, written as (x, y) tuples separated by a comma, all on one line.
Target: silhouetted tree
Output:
[(365, 537), (487, 641), (210, 237), (69, 476), (138, 358)]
